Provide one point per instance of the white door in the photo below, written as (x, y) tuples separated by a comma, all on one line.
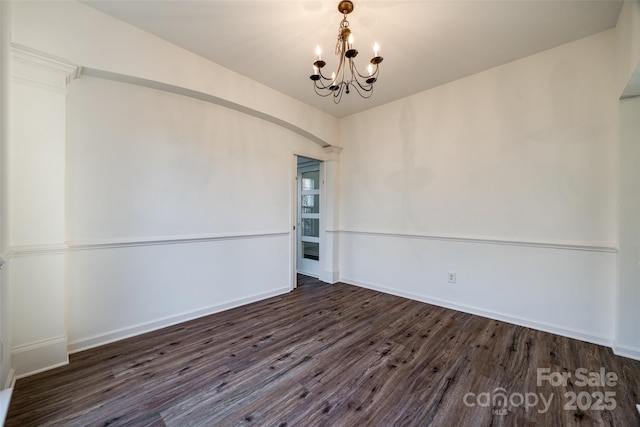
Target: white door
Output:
[(309, 220)]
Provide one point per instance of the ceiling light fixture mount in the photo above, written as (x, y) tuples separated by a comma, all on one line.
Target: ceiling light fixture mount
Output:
[(347, 75)]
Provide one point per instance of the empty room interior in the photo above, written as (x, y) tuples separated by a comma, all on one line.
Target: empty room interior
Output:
[(200, 224)]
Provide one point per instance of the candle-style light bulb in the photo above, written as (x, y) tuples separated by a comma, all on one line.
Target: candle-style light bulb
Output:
[(333, 76), (376, 48), (370, 69), (318, 52), (315, 70), (350, 40)]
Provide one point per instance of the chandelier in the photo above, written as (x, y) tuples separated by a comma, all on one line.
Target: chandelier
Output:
[(347, 75)]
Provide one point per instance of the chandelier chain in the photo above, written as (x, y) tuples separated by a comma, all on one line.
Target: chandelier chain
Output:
[(340, 43)]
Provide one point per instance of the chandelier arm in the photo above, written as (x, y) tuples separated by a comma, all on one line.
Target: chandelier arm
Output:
[(352, 68), (324, 95), (374, 74), (343, 88), (366, 87), (337, 95), (317, 85), (355, 71), (363, 91), (320, 85), (323, 76)]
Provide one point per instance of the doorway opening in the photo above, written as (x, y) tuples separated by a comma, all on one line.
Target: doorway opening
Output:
[(309, 218)]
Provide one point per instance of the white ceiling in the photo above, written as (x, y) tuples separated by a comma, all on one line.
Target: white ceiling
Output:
[(424, 43)]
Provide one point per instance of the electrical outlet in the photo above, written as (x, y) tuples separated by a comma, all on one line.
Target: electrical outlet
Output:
[(452, 277)]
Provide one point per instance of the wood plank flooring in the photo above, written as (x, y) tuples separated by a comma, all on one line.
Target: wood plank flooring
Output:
[(332, 355)]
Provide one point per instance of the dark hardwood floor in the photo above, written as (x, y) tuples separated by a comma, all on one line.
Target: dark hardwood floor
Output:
[(334, 355)]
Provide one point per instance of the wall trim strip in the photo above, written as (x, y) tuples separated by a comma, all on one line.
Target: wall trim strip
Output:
[(597, 247), (42, 70), (626, 351), (39, 356), (30, 250), (75, 245)]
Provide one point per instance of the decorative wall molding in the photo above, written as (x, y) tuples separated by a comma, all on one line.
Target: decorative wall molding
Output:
[(167, 240), (202, 96), (56, 249), (333, 152), (490, 241), (11, 379), (41, 70), (40, 356), (31, 250), (545, 327), (86, 343)]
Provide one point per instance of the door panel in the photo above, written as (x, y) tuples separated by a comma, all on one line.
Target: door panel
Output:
[(309, 219)]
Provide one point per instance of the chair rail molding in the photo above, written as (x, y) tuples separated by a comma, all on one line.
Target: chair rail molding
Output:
[(91, 244), (562, 245)]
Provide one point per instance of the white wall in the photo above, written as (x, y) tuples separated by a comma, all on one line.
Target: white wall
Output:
[(175, 207), (144, 163), (153, 207), (508, 178), (191, 199)]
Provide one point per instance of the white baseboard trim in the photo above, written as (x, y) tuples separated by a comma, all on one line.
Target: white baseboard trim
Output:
[(541, 326), (87, 343), (11, 379), (39, 356), (626, 351)]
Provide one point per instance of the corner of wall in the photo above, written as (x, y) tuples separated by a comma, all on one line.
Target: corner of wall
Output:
[(40, 356)]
